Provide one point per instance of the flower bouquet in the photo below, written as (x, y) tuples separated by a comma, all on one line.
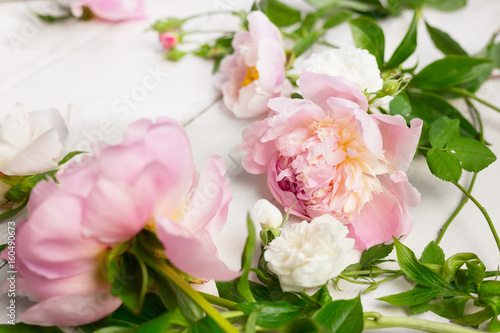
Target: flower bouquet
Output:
[(121, 240)]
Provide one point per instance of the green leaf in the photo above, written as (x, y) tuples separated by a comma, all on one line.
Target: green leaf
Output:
[(132, 289), (494, 325), (252, 321), (342, 316), (419, 308), (473, 155), (416, 296), (407, 45), (416, 271), (400, 105), (374, 254), (451, 71), (229, 291), (301, 325), (272, 314), (444, 42), (475, 318), (443, 131), (279, 13), (444, 165), (157, 325), (246, 262), (173, 298), (451, 308), (489, 294), (306, 42), (322, 296), (13, 212), (204, 325), (493, 53), (430, 107), (52, 19), (454, 262), (432, 254), (70, 156), (446, 5), (336, 18), (476, 271), (368, 35)]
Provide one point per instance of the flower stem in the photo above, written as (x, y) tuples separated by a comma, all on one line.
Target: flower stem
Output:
[(485, 214), (457, 210), (171, 275), (374, 320), (222, 302), (466, 93)]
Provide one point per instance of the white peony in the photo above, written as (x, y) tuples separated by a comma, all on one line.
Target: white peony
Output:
[(266, 214), (34, 142), (309, 254), (357, 65)]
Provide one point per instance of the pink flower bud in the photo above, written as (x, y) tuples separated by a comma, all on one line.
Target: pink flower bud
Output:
[(168, 40)]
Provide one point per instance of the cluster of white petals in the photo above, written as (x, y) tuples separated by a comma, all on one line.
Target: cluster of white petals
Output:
[(308, 254)]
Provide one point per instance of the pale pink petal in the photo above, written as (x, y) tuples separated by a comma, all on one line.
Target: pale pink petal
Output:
[(191, 253), (319, 87), (379, 220), (208, 206), (261, 27), (399, 141), (368, 128), (111, 10), (56, 245), (71, 310)]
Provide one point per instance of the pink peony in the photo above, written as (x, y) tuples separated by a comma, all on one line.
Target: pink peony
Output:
[(147, 181), (255, 72), (332, 157), (111, 10)]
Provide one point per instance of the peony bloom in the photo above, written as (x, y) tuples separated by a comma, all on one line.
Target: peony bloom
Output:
[(266, 214), (356, 65), (110, 10), (255, 72), (147, 181), (34, 142), (309, 254), (168, 40), (332, 157)]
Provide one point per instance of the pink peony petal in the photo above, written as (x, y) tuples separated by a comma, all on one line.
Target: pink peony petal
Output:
[(71, 310), (191, 253), (399, 141)]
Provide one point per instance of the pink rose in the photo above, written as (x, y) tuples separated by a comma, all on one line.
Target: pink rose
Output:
[(111, 10), (330, 156), (147, 181), (168, 40), (255, 72)]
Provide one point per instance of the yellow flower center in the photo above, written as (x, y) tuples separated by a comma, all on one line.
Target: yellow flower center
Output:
[(252, 75)]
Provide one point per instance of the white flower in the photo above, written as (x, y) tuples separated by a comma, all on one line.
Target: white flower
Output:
[(309, 254), (357, 65), (266, 214), (34, 142)]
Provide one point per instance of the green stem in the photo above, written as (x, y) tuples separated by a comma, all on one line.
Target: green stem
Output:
[(466, 93), (374, 320), (485, 214), (369, 272), (342, 276), (232, 314), (222, 302), (459, 208), (172, 276)]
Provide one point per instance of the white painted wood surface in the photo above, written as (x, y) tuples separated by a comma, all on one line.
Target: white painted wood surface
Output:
[(96, 65)]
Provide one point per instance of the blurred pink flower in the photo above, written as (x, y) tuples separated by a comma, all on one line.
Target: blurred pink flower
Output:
[(111, 10), (168, 40), (332, 157), (149, 180), (255, 72)]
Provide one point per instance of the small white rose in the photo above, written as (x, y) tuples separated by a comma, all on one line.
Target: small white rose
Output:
[(266, 214), (357, 65), (309, 254), (34, 142)]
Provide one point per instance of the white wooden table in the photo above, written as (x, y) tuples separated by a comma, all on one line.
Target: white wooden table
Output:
[(101, 68)]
